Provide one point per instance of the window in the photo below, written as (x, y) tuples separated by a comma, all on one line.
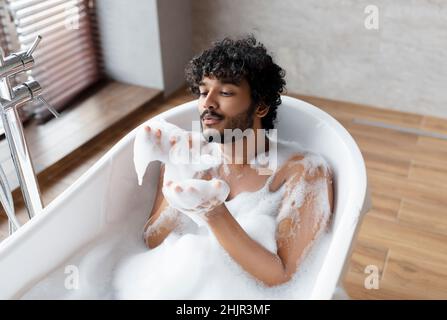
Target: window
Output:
[(66, 60)]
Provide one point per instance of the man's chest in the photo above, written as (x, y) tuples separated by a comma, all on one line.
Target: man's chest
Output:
[(248, 180)]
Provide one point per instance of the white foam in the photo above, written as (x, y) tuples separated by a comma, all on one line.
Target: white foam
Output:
[(181, 165), (189, 264), (197, 197), (178, 270), (302, 188), (194, 266), (181, 161)]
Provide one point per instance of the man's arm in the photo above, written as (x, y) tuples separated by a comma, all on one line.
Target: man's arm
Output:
[(156, 229), (274, 269), (296, 232)]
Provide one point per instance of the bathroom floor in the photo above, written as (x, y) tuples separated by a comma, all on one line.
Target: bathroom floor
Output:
[(405, 233)]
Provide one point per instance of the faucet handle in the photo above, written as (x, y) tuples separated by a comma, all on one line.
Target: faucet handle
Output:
[(49, 106), (35, 90), (33, 46)]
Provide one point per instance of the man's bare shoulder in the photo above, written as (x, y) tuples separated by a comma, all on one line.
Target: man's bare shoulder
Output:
[(293, 165), (289, 169), (311, 168), (310, 165)]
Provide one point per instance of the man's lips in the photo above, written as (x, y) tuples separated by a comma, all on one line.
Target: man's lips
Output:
[(208, 120)]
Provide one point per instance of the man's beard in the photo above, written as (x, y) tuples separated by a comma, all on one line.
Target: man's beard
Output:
[(242, 121)]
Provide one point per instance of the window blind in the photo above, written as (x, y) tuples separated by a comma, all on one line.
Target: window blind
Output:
[(66, 58), (4, 17)]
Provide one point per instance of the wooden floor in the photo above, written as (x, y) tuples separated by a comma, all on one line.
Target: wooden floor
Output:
[(404, 235)]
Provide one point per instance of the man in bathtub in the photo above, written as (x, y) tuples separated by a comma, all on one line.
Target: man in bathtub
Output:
[(238, 87)]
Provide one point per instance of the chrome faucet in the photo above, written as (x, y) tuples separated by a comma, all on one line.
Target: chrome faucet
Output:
[(10, 100), (7, 202)]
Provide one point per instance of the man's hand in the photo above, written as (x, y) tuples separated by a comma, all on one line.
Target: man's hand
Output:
[(195, 196), (165, 138), (180, 147)]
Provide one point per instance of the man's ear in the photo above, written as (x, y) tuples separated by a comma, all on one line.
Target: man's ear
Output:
[(262, 110)]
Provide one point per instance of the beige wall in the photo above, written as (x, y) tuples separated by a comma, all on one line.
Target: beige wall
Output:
[(174, 22), (327, 52), (130, 41)]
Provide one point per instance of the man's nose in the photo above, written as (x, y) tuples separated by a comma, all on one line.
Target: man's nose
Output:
[(210, 102)]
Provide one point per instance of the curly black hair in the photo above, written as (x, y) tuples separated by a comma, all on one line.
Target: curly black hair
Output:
[(232, 60)]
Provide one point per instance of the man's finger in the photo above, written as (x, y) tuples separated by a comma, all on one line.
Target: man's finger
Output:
[(190, 141), (192, 189)]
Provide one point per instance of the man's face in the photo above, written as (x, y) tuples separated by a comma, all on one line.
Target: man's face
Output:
[(225, 106)]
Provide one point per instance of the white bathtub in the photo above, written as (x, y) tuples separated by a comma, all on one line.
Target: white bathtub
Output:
[(108, 192)]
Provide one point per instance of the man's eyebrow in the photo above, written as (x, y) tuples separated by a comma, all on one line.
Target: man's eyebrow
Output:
[(223, 81)]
